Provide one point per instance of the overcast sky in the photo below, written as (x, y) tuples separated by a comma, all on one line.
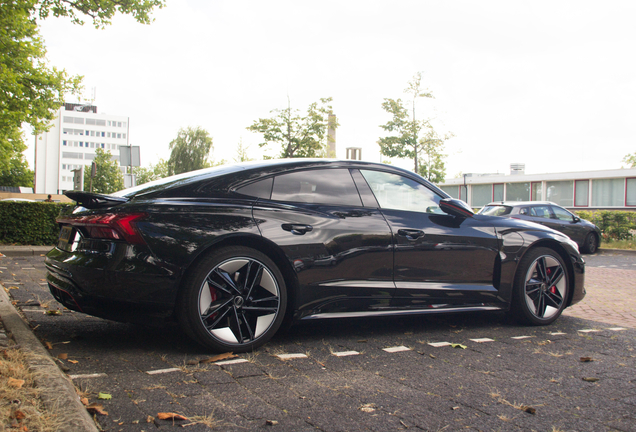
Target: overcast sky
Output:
[(551, 84)]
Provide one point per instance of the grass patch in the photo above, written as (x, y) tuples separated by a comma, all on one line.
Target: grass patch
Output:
[(21, 408), (619, 244)]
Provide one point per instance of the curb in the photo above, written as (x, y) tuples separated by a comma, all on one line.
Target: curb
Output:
[(616, 251), (17, 251), (56, 389)]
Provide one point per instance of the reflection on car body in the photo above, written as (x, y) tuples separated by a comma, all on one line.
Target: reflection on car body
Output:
[(231, 252)]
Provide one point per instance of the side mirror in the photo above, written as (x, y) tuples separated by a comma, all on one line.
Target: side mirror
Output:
[(455, 207), (577, 219)]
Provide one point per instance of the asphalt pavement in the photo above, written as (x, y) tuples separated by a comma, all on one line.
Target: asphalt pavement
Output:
[(432, 373)]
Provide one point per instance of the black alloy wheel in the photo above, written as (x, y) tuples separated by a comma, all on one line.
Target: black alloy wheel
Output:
[(591, 244), (541, 287), (235, 300)]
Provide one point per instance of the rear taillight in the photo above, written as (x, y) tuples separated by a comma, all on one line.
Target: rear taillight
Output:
[(111, 226)]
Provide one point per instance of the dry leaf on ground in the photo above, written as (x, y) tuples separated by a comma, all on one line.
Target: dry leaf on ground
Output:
[(170, 416)]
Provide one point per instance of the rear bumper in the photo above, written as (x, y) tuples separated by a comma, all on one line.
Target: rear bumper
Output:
[(125, 284)]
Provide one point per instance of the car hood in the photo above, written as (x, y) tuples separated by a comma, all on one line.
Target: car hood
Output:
[(502, 223)]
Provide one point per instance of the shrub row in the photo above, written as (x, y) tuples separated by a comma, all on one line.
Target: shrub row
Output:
[(614, 224), (29, 223)]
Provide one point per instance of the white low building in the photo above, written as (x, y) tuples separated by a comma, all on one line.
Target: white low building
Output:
[(71, 142), (605, 189)]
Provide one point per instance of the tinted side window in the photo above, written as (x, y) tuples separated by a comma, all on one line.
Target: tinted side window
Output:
[(259, 189), (400, 193), (562, 214), (327, 186), (541, 211)]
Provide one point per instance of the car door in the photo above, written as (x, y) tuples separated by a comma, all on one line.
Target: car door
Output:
[(340, 250), (566, 223), (439, 260)]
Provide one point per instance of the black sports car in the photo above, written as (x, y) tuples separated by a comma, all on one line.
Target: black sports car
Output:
[(231, 252)]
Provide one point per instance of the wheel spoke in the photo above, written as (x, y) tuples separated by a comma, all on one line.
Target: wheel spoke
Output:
[(217, 320), (257, 277), (238, 326), (227, 278), (208, 313), (261, 309), (247, 324), (556, 277), (543, 287), (273, 298)]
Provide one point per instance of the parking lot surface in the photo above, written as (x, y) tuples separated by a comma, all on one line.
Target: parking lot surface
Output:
[(433, 373)]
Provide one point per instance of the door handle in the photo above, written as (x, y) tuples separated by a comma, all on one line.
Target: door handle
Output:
[(411, 234), (297, 229)]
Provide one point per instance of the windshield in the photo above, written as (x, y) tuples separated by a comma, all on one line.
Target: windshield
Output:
[(495, 210)]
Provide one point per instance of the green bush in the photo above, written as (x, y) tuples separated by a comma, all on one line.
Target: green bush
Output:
[(614, 224), (29, 223)]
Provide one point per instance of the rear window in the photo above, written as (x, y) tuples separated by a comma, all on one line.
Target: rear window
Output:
[(496, 210), (328, 186)]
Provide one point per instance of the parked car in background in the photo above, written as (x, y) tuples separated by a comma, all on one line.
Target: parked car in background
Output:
[(233, 251), (584, 233)]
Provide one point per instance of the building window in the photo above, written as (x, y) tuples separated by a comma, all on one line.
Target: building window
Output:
[(560, 192), (517, 191), (100, 122), (68, 119), (498, 192), (453, 191), (123, 136), (64, 142), (481, 195), (581, 193), (118, 124), (608, 192), (537, 191), (90, 121), (630, 195), (78, 120), (118, 135)]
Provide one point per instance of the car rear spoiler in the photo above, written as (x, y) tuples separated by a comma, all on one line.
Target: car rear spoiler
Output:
[(91, 200)]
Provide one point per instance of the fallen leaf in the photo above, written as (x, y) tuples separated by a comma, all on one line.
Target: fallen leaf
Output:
[(104, 396), (73, 361), (586, 359), (150, 419), (49, 345), (84, 401), (15, 383), (271, 422), (96, 408), (62, 356), (216, 358), (13, 287), (53, 312), (19, 415), (455, 408), (432, 356), (455, 345), (590, 379), (529, 410), (170, 416)]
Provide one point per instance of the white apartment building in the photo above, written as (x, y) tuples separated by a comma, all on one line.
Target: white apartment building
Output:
[(71, 142)]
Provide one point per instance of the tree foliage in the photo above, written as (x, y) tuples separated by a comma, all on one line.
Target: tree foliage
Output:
[(298, 136), (190, 150), (31, 91), (412, 138), (100, 11), (18, 173), (433, 165), (630, 159), (108, 178), (151, 173)]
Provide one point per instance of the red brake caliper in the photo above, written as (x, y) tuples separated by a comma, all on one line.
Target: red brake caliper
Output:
[(553, 288)]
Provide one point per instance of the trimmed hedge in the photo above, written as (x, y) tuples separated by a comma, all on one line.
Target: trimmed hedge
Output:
[(614, 224), (29, 223)]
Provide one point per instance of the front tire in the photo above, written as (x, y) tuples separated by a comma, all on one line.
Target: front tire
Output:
[(591, 244), (234, 300), (541, 287)]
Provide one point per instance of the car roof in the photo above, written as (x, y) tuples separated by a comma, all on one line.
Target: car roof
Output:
[(521, 203), (227, 177)]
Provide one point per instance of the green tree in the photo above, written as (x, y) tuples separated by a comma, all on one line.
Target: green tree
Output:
[(151, 173), (108, 178), (31, 91), (631, 160), (18, 173), (406, 128), (190, 150), (298, 136), (242, 154), (431, 156), (100, 11)]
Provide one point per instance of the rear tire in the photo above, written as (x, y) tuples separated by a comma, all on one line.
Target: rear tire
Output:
[(234, 300), (541, 287)]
